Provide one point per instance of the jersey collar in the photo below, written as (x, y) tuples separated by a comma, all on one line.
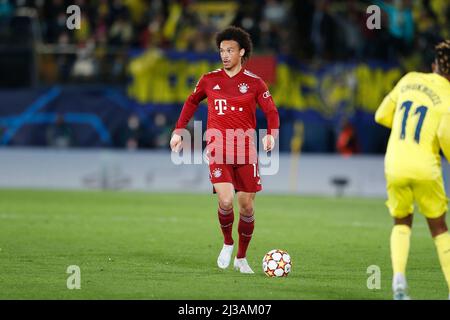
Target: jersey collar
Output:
[(236, 75)]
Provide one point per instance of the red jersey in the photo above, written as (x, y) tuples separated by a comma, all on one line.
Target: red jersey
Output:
[(232, 105)]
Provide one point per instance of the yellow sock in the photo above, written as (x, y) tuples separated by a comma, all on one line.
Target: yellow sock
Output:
[(400, 247), (442, 243)]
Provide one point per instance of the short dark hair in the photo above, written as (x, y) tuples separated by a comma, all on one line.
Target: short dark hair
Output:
[(443, 57), (240, 36)]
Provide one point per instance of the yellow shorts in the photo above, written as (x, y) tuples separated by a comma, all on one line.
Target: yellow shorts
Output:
[(428, 194)]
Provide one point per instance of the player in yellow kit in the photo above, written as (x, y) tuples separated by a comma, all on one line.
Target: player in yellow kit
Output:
[(418, 112)]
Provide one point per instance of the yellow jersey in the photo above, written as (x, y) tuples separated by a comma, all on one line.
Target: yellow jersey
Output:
[(418, 112)]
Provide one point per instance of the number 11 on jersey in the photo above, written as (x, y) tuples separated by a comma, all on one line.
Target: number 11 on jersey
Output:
[(422, 111)]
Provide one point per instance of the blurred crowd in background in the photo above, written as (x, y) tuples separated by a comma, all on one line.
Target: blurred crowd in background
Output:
[(310, 31)]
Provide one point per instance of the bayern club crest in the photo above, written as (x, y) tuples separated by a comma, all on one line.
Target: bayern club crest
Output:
[(243, 87), (217, 173)]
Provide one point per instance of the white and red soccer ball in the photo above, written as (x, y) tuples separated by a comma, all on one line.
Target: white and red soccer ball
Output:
[(277, 263)]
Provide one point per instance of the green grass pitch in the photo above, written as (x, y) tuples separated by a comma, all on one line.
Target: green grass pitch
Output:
[(165, 246)]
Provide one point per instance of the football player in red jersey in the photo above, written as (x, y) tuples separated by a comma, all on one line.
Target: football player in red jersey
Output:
[(232, 94)]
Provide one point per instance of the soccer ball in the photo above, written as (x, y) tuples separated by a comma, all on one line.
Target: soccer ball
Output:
[(277, 263)]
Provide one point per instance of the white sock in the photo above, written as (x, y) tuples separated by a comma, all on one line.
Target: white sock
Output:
[(399, 281)]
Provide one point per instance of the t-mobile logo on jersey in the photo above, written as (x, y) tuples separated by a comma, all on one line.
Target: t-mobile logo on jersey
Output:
[(221, 106)]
